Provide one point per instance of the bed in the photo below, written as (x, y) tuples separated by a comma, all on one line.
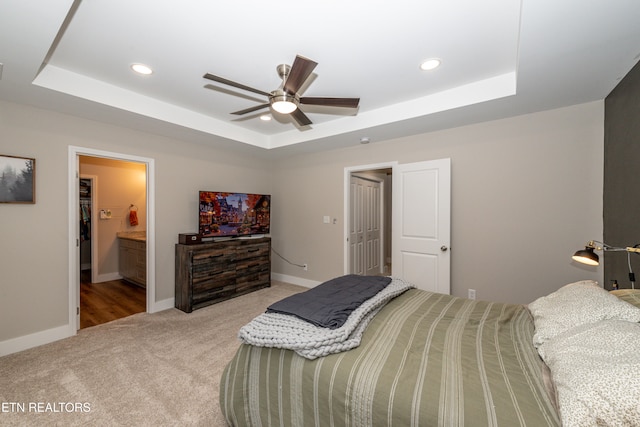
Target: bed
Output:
[(428, 359)]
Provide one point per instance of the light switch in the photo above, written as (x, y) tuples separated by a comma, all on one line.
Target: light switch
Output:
[(326, 219)]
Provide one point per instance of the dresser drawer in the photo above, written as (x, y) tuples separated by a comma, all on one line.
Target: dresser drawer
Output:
[(254, 250), (212, 256), (213, 293), (213, 280), (253, 280), (262, 261)]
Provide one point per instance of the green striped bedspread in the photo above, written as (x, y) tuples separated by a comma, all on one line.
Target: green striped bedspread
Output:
[(426, 359)]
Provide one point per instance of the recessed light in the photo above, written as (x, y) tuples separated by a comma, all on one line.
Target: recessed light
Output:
[(265, 117), (141, 69), (430, 64)]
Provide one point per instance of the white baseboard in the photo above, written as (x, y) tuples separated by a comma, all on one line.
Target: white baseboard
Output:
[(36, 339), (108, 277), (295, 280), (165, 304)]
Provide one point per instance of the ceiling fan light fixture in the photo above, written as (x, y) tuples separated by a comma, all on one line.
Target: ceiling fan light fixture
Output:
[(284, 104), (284, 107)]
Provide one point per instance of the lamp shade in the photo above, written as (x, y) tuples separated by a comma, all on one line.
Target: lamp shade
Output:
[(586, 256)]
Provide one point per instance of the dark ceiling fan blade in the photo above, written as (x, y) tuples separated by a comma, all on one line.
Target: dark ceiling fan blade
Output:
[(250, 109), (234, 84), (300, 71), (300, 117), (331, 102)]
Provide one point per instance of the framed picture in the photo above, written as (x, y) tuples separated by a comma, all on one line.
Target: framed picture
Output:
[(17, 179)]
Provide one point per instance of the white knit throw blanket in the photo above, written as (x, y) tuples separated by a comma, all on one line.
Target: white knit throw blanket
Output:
[(311, 341)]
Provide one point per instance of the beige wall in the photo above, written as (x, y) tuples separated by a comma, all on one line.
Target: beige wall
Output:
[(526, 193)]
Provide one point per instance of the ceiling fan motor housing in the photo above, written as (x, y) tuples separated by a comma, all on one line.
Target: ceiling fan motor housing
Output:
[(283, 71)]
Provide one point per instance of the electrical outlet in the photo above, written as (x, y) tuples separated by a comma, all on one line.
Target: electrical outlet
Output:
[(472, 294), (306, 267)]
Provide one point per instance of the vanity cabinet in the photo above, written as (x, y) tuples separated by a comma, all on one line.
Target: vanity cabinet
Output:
[(208, 273), (132, 259)]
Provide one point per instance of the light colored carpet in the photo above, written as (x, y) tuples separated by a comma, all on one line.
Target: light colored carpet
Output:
[(146, 369)]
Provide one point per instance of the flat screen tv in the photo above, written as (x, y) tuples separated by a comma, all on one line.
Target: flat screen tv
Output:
[(233, 214)]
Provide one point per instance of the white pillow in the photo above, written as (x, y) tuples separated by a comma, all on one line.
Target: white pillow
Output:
[(576, 304), (596, 371)]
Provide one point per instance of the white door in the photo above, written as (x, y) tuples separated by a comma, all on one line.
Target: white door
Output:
[(356, 227), (365, 245), (372, 225), (421, 224)]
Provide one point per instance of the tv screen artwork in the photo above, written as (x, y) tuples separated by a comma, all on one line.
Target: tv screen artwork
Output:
[(234, 214)]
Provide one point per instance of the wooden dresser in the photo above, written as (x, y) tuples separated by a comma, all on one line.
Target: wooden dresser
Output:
[(208, 273)]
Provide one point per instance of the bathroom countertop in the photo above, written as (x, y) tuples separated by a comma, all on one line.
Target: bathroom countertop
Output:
[(139, 236)]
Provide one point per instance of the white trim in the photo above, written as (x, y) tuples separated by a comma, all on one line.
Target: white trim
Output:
[(74, 243), (165, 304), (100, 278), (294, 280), (36, 339), (152, 305), (347, 190)]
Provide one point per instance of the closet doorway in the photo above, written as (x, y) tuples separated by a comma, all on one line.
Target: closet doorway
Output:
[(111, 193), (369, 220)]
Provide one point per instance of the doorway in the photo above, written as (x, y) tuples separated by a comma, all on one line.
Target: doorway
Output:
[(416, 222), (108, 215), (108, 190), (368, 201)]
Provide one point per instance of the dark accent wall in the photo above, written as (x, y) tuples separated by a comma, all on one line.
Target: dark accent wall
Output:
[(621, 192)]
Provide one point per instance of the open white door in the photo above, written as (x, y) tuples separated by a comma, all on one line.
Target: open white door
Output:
[(421, 230)]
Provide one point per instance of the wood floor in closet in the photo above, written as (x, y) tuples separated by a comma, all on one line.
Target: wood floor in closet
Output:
[(107, 301)]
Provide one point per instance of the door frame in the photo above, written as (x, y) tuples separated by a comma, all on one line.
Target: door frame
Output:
[(348, 171), (74, 219)]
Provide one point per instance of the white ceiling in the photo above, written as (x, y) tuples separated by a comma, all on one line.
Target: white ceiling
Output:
[(499, 58)]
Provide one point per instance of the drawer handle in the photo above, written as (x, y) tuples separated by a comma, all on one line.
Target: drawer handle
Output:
[(216, 256), (254, 250)]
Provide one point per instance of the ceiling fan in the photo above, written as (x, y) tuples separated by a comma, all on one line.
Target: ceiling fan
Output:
[(286, 99)]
